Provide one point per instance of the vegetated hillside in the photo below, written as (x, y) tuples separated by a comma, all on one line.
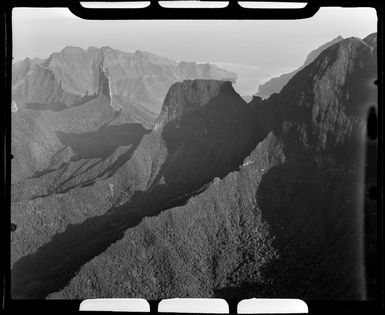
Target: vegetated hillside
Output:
[(202, 133), (275, 85), (287, 224)]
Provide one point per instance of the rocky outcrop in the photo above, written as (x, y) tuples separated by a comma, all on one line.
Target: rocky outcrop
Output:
[(184, 97)]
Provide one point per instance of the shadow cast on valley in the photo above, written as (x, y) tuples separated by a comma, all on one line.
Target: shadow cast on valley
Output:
[(103, 142), (209, 142), (55, 263), (100, 144), (60, 106)]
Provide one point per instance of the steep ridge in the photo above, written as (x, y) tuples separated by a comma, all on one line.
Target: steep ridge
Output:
[(275, 85), (287, 224), (202, 134), (317, 195)]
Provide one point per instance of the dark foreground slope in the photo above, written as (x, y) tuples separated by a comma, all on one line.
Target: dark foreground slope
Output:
[(288, 223)]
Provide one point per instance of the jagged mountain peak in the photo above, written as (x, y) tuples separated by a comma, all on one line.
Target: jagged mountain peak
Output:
[(334, 63), (189, 95), (275, 85), (201, 90), (344, 51), (326, 98)]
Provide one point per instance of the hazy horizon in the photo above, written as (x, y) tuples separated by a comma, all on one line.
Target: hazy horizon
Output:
[(255, 49), (46, 30)]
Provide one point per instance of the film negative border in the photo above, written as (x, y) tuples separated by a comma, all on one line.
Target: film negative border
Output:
[(154, 11)]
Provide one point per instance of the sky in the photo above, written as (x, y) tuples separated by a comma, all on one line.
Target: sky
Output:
[(260, 47)]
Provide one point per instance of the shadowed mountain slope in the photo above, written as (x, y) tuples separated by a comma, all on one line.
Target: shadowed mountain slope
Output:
[(288, 223)]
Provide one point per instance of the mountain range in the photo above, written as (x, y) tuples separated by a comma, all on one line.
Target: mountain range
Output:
[(222, 197), (138, 82), (77, 90)]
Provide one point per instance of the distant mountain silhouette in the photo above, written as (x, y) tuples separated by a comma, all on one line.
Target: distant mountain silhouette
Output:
[(138, 82)]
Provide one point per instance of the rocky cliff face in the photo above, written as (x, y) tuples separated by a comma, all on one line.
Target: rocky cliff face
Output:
[(224, 198), (275, 85), (205, 130)]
